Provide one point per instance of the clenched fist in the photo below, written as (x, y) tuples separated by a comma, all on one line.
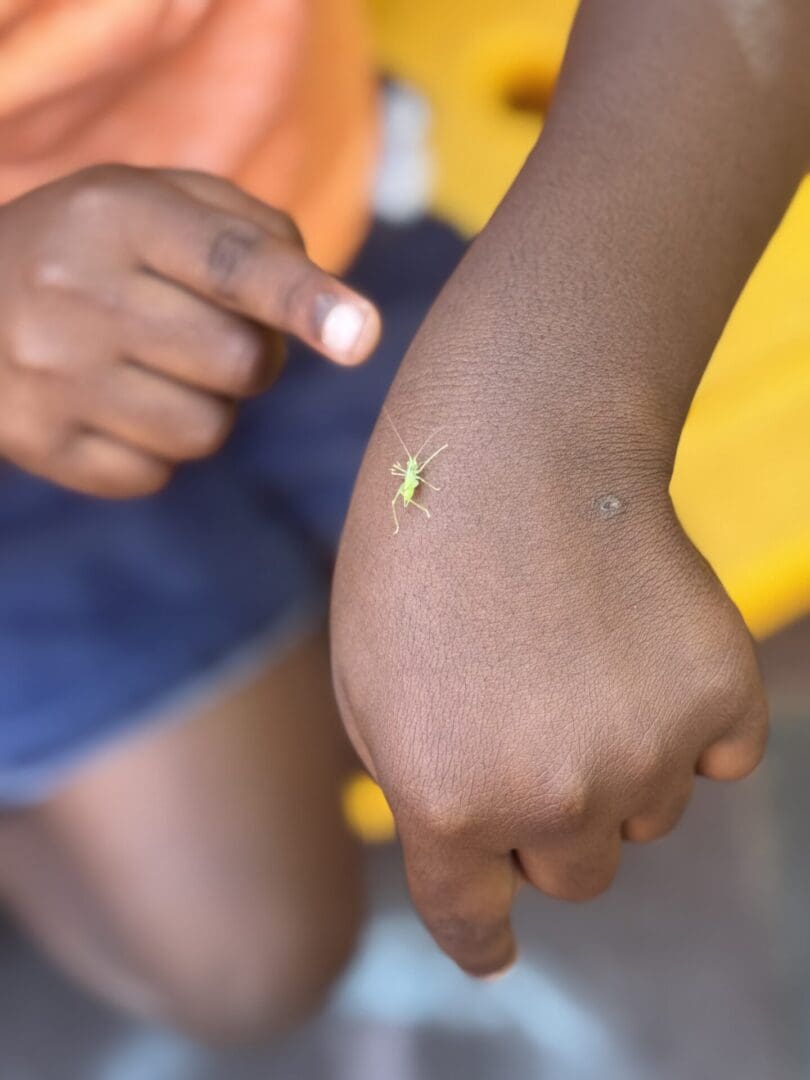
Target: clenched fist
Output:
[(538, 670)]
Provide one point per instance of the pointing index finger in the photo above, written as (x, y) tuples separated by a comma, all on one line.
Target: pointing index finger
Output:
[(235, 263)]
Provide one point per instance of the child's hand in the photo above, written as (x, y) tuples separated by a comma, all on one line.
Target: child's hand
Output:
[(134, 308), (539, 669)]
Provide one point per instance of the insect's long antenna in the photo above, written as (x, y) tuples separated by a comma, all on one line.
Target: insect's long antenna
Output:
[(394, 426), (424, 444)]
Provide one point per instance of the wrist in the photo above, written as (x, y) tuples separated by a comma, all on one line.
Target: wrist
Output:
[(531, 375)]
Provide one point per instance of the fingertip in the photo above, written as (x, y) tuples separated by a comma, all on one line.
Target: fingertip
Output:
[(488, 961), (348, 328), (729, 761), (496, 976)]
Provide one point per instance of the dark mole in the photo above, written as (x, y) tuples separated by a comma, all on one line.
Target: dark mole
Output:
[(608, 506)]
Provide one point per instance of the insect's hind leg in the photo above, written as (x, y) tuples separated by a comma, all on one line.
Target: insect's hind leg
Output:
[(419, 506), (394, 512)]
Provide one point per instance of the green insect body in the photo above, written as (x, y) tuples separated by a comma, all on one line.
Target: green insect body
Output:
[(412, 476)]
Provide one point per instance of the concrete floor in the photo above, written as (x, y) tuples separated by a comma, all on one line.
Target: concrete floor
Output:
[(696, 966)]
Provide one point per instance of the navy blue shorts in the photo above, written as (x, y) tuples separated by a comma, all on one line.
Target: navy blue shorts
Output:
[(112, 614)]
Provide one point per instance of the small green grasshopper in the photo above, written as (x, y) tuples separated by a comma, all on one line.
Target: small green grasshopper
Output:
[(412, 475)]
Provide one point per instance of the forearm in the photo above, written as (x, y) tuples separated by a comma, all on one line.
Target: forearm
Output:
[(679, 133), (675, 141)]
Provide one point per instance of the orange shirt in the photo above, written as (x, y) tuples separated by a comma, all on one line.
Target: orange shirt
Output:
[(275, 94)]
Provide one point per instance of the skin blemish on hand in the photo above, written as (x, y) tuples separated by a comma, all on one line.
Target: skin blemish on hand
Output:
[(608, 506)]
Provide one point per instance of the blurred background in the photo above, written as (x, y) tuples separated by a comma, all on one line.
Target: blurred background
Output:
[(695, 966), (697, 963)]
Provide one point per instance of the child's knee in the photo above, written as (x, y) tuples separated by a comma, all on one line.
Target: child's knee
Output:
[(258, 978)]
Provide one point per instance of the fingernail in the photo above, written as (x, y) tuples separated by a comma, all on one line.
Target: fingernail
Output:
[(342, 328)]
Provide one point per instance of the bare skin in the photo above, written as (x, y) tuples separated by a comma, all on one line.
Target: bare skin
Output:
[(201, 873), (557, 662), (140, 307)]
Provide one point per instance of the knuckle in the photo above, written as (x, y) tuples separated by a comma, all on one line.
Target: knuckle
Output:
[(722, 763), (566, 802), (132, 481), (205, 429), (731, 704), (57, 273), (646, 830), (637, 831), (759, 716), (752, 737), (27, 351), (286, 227), (40, 439), (734, 694), (47, 440), (98, 189), (446, 818), (734, 756), (755, 746), (735, 679), (231, 249), (107, 173), (149, 478), (647, 761), (587, 874), (242, 358), (29, 430), (49, 271), (581, 889)]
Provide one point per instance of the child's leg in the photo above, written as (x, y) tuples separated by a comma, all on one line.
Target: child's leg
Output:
[(201, 873)]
